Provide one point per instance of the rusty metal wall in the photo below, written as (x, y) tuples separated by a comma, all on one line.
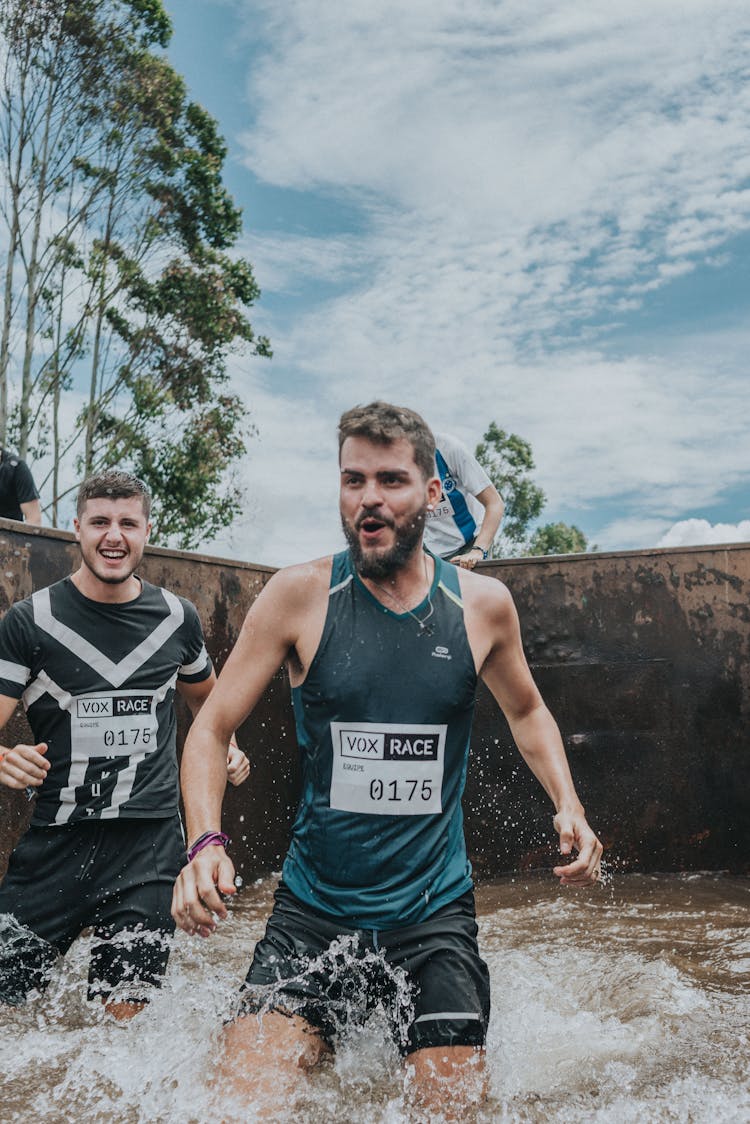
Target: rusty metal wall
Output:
[(641, 656), (643, 659)]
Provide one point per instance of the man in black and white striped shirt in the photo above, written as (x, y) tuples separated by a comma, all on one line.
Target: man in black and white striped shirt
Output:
[(96, 660)]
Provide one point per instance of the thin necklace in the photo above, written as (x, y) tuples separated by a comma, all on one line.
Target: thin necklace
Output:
[(425, 629)]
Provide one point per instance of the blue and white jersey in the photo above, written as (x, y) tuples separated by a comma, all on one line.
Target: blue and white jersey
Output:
[(97, 681), (457, 518)]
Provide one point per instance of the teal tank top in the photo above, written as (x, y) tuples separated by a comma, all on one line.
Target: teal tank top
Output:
[(383, 724)]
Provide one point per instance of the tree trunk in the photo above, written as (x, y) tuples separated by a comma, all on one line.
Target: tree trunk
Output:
[(32, 272)]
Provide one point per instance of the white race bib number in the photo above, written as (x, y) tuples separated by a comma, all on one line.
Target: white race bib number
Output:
[(443, 510), (115, 724), (120, 725), (387, 769)]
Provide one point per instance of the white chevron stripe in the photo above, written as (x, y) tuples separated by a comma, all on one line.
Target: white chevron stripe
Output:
[(114, 673), (16, 672), (43, 685), (197, 664)]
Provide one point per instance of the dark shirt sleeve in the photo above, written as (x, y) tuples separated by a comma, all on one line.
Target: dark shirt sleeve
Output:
[(197, 664), (15, 652), (24, 483)]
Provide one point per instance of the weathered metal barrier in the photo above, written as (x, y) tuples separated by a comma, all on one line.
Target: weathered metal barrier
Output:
[(641, 656)]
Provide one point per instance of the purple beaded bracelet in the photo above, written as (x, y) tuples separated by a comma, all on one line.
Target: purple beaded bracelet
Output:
[(208, 839)]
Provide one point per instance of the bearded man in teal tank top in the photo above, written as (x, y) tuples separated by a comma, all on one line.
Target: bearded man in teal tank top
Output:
[(384, 644)]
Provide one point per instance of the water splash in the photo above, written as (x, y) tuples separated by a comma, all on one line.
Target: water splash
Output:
[(618, 1006)]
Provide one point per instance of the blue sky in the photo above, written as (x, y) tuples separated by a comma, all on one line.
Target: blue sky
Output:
[(537, 214)]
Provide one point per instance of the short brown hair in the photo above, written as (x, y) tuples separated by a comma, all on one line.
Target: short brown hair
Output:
[(383, 424), (113, 484)]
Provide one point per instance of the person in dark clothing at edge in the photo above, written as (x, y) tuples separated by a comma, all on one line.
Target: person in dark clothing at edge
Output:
[(384, 644), (19, 498), (96, 659)]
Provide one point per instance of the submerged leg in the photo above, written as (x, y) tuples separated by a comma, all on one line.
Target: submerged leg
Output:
[(122, 1010), (449, 1082), (264, 1060), (126, 966), (26, 962)]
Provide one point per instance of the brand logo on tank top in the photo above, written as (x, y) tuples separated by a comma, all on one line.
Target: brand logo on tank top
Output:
[(393, 745), (441, 653)]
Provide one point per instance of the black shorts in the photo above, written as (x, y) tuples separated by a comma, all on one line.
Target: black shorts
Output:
[(428, 978), (115, 875)]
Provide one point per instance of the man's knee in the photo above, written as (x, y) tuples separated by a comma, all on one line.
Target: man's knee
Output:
[(447, 1078), (273, 1037)]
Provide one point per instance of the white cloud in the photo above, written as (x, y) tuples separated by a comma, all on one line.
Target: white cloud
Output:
[(510, 146), (290, 476), (631, 533), (527, 175), (695, 532), (285, 261)]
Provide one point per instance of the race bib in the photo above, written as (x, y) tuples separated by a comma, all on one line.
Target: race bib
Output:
[(387, 769), (113, 724), (442, 510), (119, 725)]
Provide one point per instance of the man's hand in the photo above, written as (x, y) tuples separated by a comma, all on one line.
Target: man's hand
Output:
[(24, 766), (576, 835), (469, 560), (238, 766), (196, 898)]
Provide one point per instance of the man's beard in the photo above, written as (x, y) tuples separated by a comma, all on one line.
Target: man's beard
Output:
[(376, 564), (113, 579)]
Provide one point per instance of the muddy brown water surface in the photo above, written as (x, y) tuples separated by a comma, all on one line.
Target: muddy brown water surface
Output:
[(628, 1003)]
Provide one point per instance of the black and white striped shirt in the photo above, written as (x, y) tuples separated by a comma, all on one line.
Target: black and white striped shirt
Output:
[(97, 681)]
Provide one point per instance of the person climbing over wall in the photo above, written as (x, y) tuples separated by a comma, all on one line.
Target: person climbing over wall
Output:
[(462, 524)]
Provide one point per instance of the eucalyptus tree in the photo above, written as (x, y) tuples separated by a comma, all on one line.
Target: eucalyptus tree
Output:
[(43, 69), (128, 296)]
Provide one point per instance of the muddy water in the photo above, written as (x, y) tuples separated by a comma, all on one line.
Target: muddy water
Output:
[(628, 1004)]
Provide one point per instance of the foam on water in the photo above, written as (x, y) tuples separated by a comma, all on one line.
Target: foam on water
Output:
[(627, 1005)]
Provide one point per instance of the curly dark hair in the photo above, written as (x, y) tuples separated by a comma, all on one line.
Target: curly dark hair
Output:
[(384, 423)]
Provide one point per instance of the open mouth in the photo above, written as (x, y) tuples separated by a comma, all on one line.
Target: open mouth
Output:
[(113, 555), (370, 525)]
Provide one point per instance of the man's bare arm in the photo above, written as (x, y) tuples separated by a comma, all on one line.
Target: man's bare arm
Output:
[(534, 730), (21, 766), (32, 512), (195, 694), (270, 631), (494, 507)]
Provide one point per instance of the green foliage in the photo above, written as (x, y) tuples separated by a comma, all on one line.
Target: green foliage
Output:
[(154, 21), (137, 289), (508, 461), (558, 538)]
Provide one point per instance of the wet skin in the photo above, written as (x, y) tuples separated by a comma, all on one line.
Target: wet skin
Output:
[(112, 534), (383, 498)]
